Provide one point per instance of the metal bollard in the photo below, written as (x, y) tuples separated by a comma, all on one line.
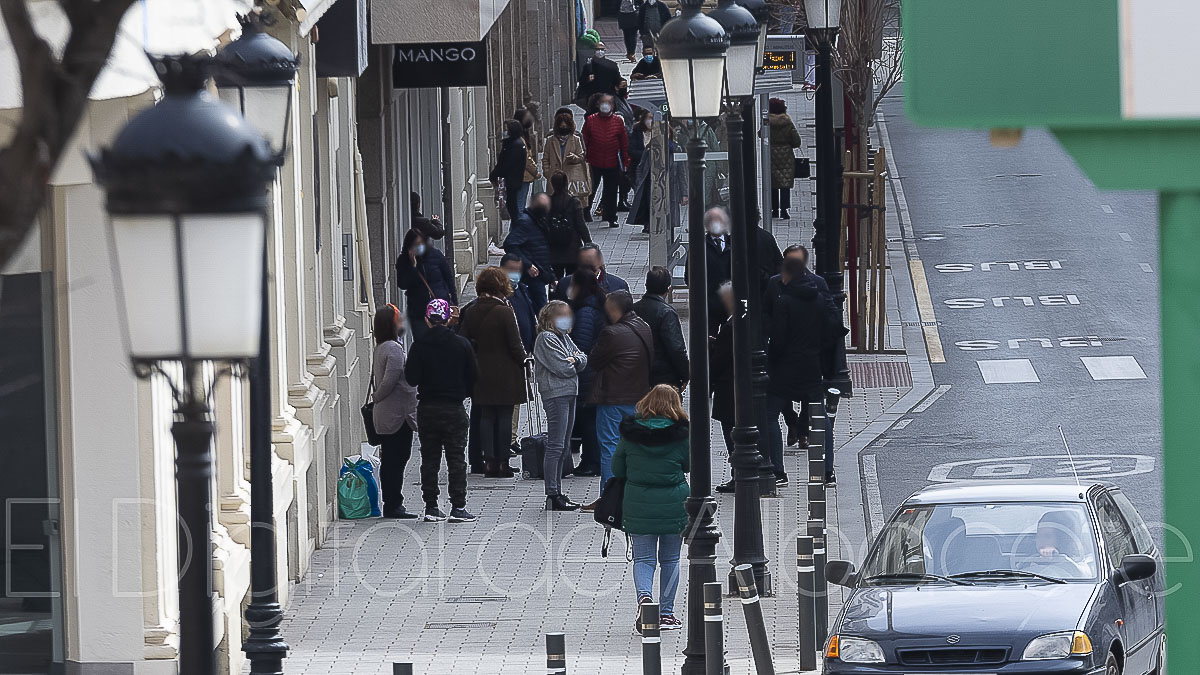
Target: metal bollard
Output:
[(714, 630), (816, 529), (402, 669), (556, 654), (755, 624), (808, 608), (651, 639), (816, 451)]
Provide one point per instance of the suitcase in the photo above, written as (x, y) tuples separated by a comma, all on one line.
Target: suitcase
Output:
[(533, 446)]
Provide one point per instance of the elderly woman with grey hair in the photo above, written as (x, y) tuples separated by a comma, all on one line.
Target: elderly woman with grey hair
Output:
[(557, 363)]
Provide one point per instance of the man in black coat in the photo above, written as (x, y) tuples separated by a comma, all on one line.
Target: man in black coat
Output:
[(590, 257), (670, 364), (802, 334), (717, 261), (599, 75), (527, 240), (520, 301)]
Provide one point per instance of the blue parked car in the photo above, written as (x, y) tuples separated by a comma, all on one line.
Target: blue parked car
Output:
[(1004, 577)]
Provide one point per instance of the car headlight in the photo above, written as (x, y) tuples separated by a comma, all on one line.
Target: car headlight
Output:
[(1058, 646), (853, 650)]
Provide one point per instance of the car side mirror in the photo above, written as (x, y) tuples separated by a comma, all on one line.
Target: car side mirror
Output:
[(841, 572), (1135, 567)]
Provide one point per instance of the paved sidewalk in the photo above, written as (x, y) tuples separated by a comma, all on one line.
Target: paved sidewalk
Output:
[(478, 598)]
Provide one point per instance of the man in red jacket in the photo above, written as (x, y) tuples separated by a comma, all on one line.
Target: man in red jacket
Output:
[(607, 145)]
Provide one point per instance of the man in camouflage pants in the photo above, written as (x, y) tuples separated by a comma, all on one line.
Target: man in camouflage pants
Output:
[(441, 365)]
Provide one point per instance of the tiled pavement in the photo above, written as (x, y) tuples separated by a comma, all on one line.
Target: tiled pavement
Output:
[(478, 598)]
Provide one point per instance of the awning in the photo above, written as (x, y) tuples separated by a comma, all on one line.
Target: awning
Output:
[(420, 21)]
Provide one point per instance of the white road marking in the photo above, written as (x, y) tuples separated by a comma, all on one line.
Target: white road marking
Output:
[(1125, 236), (930, 400), (882, 442), (874, 500), (1146, 267), (1038, 467), (905, 422), (1113, 367), (1106, 208), (1007, 371)]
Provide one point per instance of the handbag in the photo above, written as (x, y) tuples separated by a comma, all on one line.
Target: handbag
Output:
[(802, 168), (368, 415)]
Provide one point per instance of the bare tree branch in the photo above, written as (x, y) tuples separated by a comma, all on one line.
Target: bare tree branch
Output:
[(54, 96)]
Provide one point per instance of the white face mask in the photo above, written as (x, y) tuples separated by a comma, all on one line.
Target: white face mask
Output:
[(651, 1), (717, 228), (563, 324), (419, 249), (605, 108), (600, 53), (514, 277)]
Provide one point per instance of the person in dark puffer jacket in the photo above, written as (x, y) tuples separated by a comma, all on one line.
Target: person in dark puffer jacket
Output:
[(652, 457), (587, 301)]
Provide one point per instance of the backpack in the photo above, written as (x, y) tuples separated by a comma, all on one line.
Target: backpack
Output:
[(559, 230)]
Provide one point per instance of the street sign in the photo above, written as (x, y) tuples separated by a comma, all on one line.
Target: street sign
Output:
[(779, 60), (440, 64)]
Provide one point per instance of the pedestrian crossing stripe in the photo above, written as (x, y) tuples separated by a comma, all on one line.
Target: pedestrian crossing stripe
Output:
[(1020, 371)]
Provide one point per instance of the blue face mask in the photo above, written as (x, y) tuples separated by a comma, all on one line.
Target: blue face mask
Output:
[(514, 277), (649, 58), (419, 249), (563, 324)]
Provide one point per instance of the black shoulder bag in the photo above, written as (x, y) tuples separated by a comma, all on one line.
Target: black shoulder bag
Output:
[(368, 415)]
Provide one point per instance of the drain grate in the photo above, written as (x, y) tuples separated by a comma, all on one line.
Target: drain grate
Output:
[(478, 599), (459, 625), (877, 375)]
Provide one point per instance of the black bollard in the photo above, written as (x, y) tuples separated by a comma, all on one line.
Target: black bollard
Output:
[(816, 529), (402, 669), (760, 646), (714, 630), (808, 611), (651, 639), (556, 654)]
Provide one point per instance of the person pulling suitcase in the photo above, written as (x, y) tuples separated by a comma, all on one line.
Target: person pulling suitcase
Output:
[(557, 364)]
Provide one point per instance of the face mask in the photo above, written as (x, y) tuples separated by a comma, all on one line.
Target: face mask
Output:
[(716, 228), (600, 53), (419, 250), (514, 277), (571, 294), (606, 108), (563, 324), (563, 130), (538, 211), (651, 1), (400, 330), (504, 136), (622, 93), (649, 58)]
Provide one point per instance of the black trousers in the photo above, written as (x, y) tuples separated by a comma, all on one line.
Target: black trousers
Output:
[(781, 198), (511, 199), (608, 198), (443, 427), (585, 431), (495, 430), (631, 38), (393, 457), (564, 270)]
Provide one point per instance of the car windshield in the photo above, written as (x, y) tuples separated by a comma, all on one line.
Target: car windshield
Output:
[(982, 543)]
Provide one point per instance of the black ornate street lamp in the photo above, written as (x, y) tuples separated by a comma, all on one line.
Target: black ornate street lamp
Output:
[(256, 73), (740, 71), (758, 353), (692, 49), (185, 186), (824, 16)]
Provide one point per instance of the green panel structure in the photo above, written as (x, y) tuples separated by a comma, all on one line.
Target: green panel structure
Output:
[(1011, 63), (1057, 64)]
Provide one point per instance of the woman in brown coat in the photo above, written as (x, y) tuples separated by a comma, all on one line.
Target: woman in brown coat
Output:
[(564, 152), (784, 139), (491, 326)]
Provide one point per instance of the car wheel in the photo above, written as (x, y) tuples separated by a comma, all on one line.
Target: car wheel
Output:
[(1111, 667), (1160, 667)]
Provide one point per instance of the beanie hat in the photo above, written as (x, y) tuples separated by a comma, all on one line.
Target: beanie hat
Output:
[(438, 309)]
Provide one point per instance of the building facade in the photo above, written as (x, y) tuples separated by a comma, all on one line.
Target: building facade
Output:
[(87, 460)]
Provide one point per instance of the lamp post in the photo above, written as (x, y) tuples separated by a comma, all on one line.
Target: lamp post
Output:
[(256, 73), (824, 17), (758, 354), (740, 69), (185, 187), (692, 49)]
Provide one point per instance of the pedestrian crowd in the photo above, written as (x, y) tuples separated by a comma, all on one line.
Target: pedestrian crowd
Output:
[(554, 332)]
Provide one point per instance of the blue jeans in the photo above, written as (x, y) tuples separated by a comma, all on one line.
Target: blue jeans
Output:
[(608, 433), (523, 196), (647, 548)]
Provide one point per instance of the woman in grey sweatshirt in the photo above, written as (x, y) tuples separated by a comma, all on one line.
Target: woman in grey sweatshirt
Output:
[(395, 413), (558, 363)]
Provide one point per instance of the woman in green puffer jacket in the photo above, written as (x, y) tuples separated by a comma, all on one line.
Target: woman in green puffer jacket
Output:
[(652, 457)]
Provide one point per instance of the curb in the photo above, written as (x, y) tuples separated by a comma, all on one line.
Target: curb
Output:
[(850, 459)]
